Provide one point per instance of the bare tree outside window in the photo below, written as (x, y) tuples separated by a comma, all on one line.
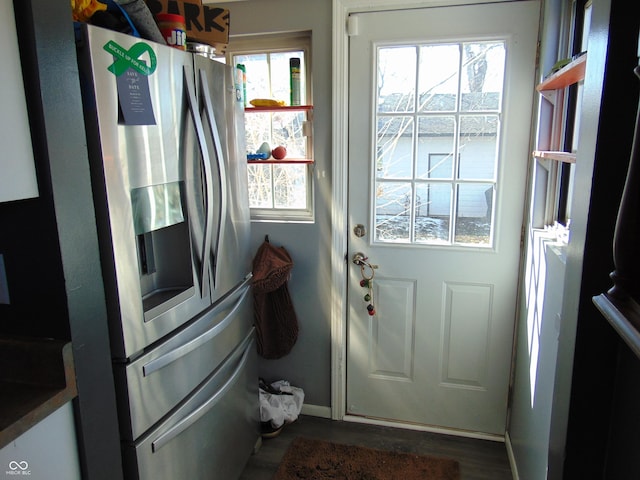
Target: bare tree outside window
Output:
[(276, 186)]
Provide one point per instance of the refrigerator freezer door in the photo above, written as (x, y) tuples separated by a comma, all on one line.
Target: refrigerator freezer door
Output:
[(156, 382), (147, 174), (212, 434)]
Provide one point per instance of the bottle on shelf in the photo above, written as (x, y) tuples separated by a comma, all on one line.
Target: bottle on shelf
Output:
[(243, 69), (294, 72)]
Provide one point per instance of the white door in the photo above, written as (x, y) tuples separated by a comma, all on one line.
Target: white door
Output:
[(439, 118)]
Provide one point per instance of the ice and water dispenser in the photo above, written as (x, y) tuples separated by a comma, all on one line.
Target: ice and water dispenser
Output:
[(163, 246)]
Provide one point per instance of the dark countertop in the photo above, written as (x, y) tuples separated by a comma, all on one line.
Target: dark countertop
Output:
[(37, 377)]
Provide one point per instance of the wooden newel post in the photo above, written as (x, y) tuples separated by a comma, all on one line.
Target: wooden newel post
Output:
[(626, 241)]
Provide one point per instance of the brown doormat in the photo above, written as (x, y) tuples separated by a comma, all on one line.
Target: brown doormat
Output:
[(317, 460)]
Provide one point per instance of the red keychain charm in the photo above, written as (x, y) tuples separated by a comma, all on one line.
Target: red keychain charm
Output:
[(367, 282)]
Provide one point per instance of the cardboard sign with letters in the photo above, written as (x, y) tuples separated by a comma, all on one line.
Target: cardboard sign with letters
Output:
[(205, 23)]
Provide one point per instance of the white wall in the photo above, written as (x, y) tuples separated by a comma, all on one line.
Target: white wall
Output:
[(534, 385), (537, 350), (46, 451), (18, 178)]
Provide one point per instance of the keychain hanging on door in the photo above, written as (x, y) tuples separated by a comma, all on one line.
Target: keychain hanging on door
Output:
[(367, 282)]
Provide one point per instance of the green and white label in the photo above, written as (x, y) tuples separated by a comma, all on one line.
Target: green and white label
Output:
[(125, 59)]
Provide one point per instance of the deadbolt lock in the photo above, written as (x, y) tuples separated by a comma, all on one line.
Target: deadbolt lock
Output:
[(359, 230)]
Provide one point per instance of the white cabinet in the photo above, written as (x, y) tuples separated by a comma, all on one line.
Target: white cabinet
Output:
[(48, 450), (17, 168)]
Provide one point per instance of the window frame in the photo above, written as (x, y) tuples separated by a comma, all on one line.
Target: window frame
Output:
[(276, 43), (555, 180)]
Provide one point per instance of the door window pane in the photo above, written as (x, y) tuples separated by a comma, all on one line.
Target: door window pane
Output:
[(396, 79), (478, 146), (393, 211), (482, 76), (438, 78), (474, 214), (436, 144), (444, 148), (394, 147), (433, 207)]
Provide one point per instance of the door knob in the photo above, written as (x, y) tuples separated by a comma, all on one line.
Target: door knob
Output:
[(359, 258)]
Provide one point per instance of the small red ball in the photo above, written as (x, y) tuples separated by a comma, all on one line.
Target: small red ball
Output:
[(279, 152)]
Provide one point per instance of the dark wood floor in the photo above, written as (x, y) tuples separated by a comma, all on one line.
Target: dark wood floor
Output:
[(479, 459)]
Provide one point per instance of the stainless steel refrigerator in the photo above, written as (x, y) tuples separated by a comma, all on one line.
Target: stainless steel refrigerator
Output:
[(165, 135)]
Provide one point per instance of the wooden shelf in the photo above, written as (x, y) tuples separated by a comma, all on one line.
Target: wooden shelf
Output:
[(558, 156), (283, 161), (571, 73), (290, 108)]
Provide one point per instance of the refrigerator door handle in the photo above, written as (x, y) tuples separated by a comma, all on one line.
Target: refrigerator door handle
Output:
[(215, 136), (181, 351), (197, 413), (206, 167)]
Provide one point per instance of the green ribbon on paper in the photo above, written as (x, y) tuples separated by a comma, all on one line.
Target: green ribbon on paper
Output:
[(126, 59)]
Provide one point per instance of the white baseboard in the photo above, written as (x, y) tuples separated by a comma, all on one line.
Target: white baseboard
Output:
[(512, 458), (316, 411)]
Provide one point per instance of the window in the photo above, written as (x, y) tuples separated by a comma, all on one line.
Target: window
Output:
[(554, 179), (566, 171), (437, 149), (582, 20), (278, 189)]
